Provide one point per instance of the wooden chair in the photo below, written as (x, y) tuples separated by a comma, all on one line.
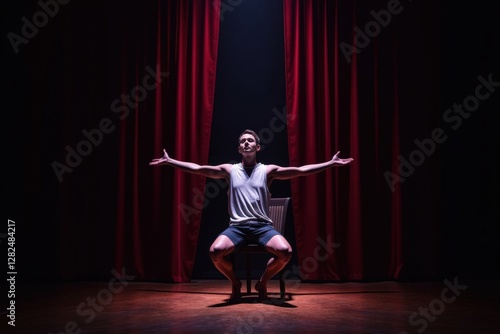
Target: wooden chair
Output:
[(278, 208)]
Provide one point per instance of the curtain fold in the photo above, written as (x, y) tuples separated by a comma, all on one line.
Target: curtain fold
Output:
[(158, 210), (335, 103)]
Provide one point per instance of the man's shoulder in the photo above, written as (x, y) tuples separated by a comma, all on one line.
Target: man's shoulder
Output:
[(263, 166), (232, 165)]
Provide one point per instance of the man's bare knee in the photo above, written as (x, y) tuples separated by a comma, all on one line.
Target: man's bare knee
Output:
[(216, 253), (221, 247), (283, 254), (286, 254)]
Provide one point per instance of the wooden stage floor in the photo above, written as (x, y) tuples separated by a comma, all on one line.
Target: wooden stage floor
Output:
[(202, 307)]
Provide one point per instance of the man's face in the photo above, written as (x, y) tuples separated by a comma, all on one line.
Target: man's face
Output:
[(248, 144)]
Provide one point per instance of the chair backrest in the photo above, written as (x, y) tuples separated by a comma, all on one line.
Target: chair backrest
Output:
[(278, 208)]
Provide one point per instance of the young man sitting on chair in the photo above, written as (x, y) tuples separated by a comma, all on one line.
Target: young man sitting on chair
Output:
[(248, 196)]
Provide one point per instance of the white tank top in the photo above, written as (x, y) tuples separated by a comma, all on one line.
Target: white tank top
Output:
[(248, 195)]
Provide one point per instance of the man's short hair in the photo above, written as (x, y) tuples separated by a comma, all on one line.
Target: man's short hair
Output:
[(251, 132)]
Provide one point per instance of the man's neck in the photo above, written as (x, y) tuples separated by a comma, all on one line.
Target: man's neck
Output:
[(249, 161)]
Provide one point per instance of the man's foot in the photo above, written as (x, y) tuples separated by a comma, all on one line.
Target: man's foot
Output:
[(235, 291), (262, 290)]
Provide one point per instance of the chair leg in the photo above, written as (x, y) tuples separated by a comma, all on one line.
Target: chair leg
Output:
[(248, 261), (282, 284)]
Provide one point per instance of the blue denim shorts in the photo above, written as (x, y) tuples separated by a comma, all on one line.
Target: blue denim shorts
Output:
[(250, 233)]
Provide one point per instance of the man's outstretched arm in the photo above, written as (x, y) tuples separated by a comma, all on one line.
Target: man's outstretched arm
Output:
[(215, 172), (285, 173)]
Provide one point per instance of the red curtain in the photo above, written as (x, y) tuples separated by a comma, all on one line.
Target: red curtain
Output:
[(158, 212), (345, 230)]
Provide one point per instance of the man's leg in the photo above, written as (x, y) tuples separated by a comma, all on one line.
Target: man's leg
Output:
[(282, 252), (221, 247)]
